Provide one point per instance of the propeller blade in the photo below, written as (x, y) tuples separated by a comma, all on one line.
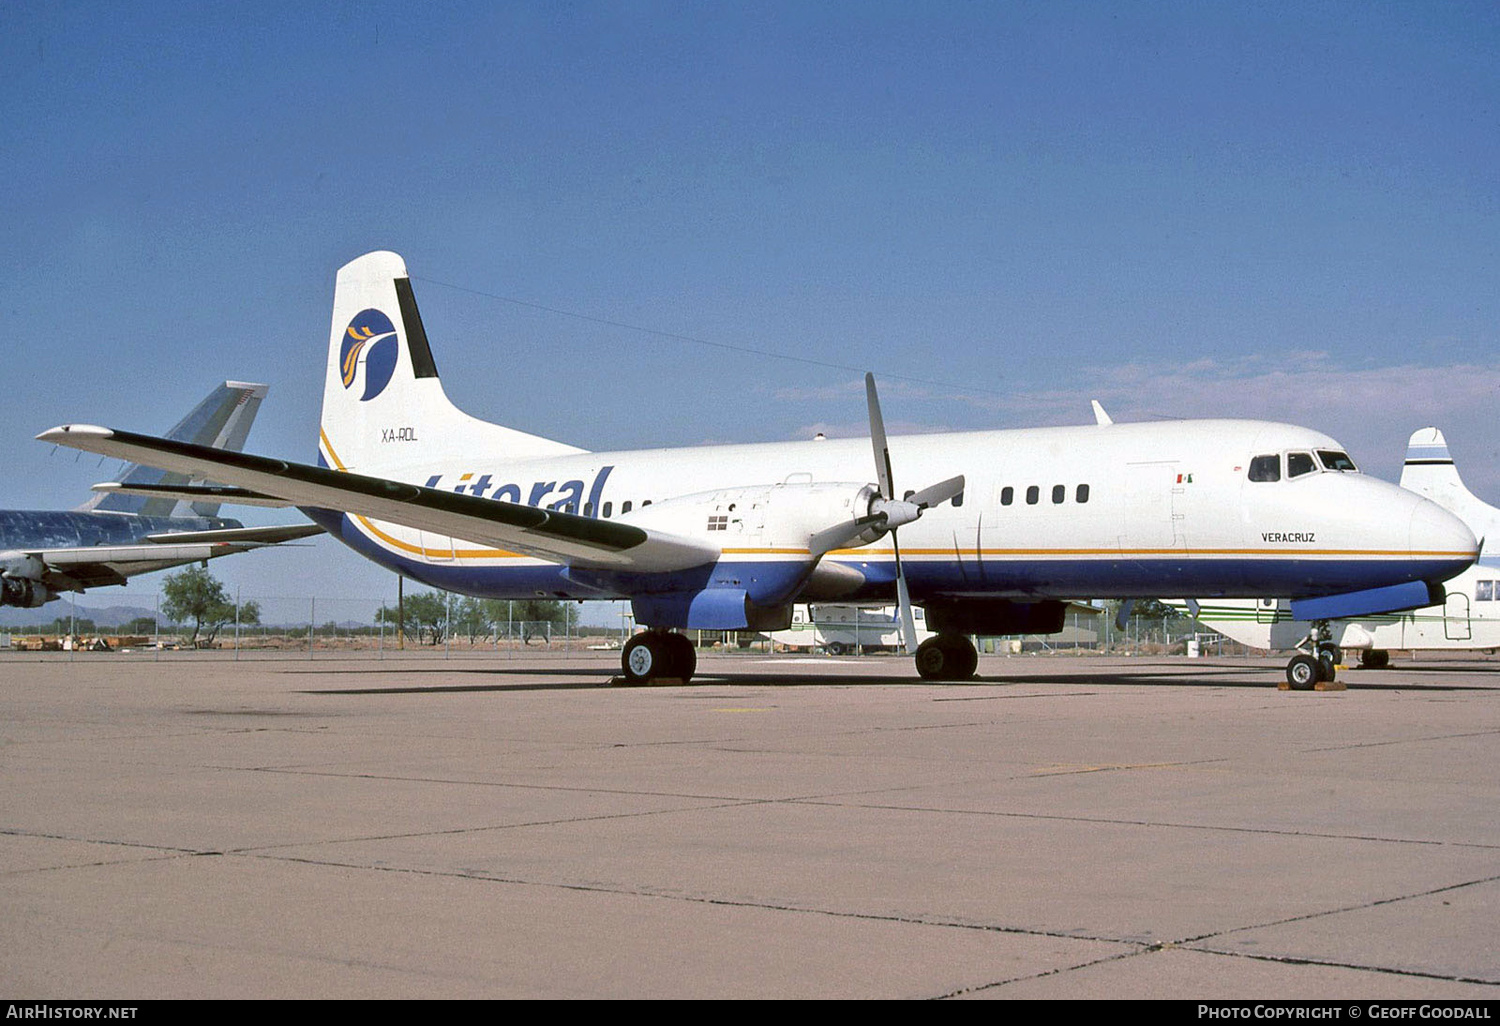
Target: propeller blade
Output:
[(903, 600), (839, 535), (877, 439), (894, 512), (936, 495)]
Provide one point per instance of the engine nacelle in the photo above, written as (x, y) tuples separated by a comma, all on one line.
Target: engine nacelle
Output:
[(21, 580), (24, 592)]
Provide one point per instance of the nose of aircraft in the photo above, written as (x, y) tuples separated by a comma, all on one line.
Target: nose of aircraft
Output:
[(1440, 536)]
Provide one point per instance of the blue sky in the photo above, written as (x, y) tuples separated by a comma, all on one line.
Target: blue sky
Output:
[(1287, 211)]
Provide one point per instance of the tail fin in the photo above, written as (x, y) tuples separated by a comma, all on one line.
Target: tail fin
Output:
[(384, 409), (1429, 471), (222, 420)]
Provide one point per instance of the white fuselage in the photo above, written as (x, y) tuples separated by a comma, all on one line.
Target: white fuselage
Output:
[(1124, 510)]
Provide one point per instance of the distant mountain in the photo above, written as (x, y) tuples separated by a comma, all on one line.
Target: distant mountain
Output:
[(13, 617)]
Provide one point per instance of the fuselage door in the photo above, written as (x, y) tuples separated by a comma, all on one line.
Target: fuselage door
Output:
[(1456, 617), (1149, 516)]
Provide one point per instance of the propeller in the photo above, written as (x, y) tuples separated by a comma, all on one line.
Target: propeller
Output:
[(887, 512)]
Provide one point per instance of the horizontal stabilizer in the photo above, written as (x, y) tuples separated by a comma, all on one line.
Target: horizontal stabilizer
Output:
[(1395, 599), (237, 535)]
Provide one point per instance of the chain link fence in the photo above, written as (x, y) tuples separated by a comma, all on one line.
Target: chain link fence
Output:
[(282, 626), (320, 628)]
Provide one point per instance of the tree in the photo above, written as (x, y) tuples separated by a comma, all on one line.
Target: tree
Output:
[(472, 616), (196, 595), (426, 616)]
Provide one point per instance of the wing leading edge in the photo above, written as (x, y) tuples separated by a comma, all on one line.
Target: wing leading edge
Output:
[(546, 534)]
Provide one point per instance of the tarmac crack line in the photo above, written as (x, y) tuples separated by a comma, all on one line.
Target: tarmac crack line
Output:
[(640, 892), (1195, 944), (1331, 964), (1099, 820), (1198, 944), (488, 828), (164, 852), (1406, 741), (978, 988), (724, 799), (727, 801)]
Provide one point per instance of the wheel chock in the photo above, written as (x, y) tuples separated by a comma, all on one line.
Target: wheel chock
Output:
[(1322, 685)]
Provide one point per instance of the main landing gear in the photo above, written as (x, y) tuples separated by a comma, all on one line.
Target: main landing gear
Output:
[(947, 657), (658, 654), (1307, 670)]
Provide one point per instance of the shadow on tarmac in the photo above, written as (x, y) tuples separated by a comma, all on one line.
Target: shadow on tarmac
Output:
[(582, 679)]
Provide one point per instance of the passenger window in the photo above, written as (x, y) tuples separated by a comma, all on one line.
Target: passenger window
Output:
[(1265, 468), (1484, 591), (1007, 495), (1059, 493), (1032, 494), (1083, 493), (1332, 459), (625, 506), (588, 509), (1299, 463), (608, 509)]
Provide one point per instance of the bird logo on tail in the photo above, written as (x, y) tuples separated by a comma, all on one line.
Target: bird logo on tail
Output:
[(369, 340)]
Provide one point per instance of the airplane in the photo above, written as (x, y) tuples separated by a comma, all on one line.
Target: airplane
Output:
[(112, 537), (1005, 529), (1468, 619)]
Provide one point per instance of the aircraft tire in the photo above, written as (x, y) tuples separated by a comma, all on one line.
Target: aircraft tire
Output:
[(946, 657), (833, 648), (682, 658), (1302, 672), (965, 657), (1374, 659), (645, 658), (1327, 664), (932, 659)]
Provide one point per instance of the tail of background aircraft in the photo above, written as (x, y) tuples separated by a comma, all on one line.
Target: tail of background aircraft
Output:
[(1429, 471), (384, 409), (222, 420)]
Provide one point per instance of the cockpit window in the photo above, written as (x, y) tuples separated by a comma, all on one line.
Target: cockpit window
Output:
[(1265, 468), (1299, 463), (1332, 459)]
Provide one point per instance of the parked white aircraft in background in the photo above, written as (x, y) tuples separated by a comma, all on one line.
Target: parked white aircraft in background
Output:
[(1468, 618), (1007, 526)]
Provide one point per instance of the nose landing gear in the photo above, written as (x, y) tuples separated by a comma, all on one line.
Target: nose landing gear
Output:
[(1306, 670)]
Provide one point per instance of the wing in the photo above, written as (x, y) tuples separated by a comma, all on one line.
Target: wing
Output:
[(97, 565), (547, 534)]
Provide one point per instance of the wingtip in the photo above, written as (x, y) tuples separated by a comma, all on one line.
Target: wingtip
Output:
[(65, 431)]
